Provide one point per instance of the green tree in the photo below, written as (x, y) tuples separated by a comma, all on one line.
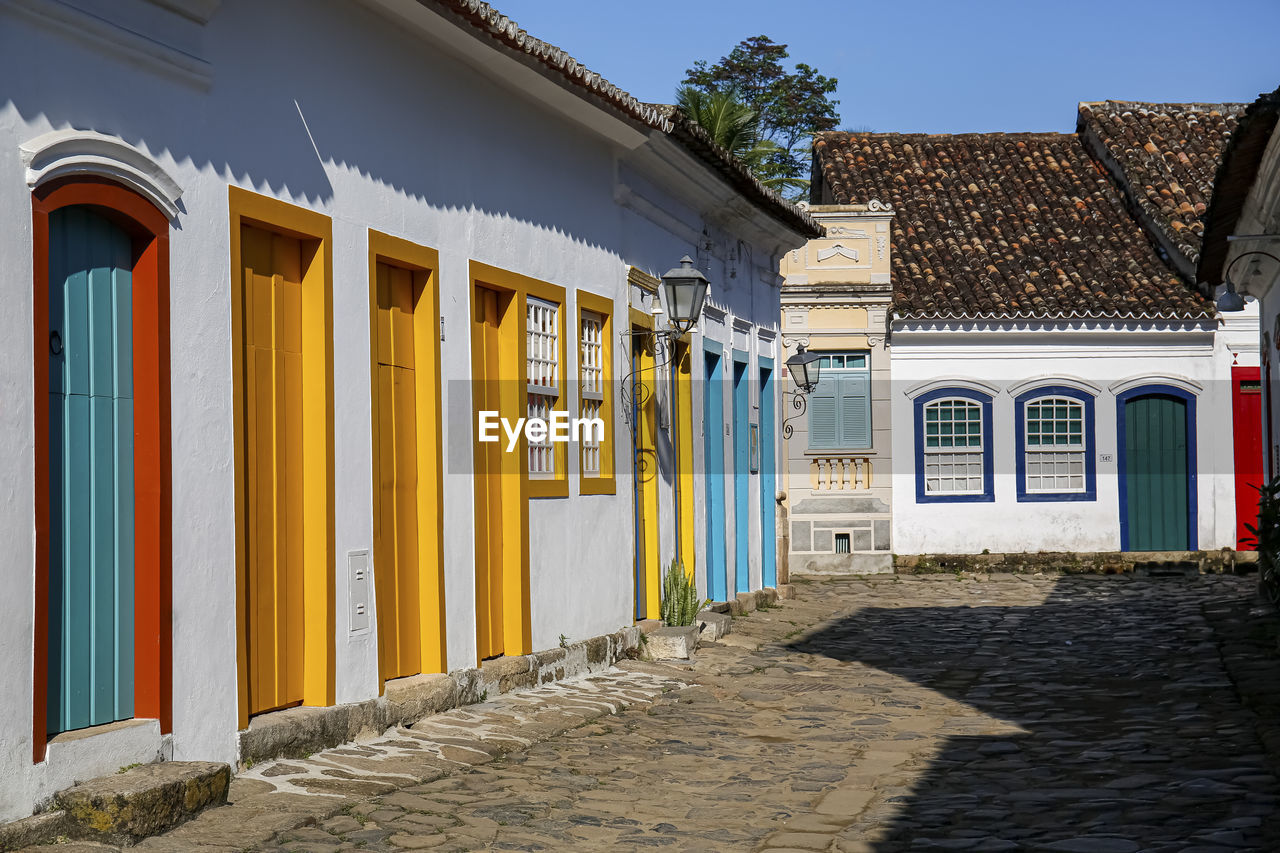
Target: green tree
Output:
[(789, 106)]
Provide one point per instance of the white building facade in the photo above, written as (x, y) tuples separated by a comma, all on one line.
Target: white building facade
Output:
[(282, 256)]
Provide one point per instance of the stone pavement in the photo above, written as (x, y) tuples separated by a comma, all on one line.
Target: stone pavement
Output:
[(1009, 712)]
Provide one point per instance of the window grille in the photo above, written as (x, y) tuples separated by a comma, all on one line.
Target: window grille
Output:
[(592, 367), (842, 543), (1055, 445), (542, 362), (953, 447)]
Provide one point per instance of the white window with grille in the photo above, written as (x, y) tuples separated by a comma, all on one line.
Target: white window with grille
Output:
[(953, 447), (591, 363), (542, 362), (1054, 444)]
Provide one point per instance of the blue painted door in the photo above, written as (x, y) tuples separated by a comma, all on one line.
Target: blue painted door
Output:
[(768, 481), (741, 478), (1156, 471), (713, 432), (91, 471)]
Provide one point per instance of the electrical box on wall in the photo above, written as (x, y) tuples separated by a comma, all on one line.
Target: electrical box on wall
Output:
[(358, 590)]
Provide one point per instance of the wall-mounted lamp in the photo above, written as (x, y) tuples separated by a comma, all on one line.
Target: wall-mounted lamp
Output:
[(1231, 300), (686, 290), (805, 369)]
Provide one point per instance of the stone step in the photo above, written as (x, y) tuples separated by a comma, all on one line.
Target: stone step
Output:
[(125, 807), (1167, 569)]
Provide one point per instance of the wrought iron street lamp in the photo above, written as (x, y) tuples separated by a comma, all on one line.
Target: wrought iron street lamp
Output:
[(805, 369), (686, 290)]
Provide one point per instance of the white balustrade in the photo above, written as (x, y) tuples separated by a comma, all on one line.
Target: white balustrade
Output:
[(839, 473)]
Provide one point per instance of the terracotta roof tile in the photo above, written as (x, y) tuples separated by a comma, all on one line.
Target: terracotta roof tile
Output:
[(1165, 157), (1003, 225)]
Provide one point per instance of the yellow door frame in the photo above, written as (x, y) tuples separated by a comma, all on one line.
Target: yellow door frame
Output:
[(682, 417), (518, 488), (423, 263), (248, 208), (644, 466)]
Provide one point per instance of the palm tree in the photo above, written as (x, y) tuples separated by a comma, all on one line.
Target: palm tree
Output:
[(729, 122), (735, 127)]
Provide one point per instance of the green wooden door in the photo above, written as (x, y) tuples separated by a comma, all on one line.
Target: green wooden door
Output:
[(1156, 476), (91, 498)]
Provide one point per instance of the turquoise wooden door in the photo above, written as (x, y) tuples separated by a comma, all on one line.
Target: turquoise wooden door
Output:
[(741, 477), (1157, 475), (713, 445), (91, 471), (768, 480)]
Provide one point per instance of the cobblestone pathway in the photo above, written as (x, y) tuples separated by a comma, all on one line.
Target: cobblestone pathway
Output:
[(1079, 713)]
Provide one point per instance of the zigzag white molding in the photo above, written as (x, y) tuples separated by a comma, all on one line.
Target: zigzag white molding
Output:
[(86, 152)]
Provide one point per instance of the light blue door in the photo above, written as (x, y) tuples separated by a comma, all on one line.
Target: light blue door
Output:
[(713, 433), (90, 471), (741, 475), (768, 480)]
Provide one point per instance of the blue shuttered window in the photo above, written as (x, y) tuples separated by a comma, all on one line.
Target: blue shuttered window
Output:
[(840, 407)]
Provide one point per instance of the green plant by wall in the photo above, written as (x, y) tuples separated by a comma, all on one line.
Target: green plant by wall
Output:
[(680, 602), (1266, 538)]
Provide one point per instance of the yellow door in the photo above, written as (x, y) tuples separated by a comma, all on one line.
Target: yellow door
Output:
[(397, 563), (488, 477), (273, 359), (648, 572)]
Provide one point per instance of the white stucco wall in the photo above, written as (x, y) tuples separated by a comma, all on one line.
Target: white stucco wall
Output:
[(377, 125), (1108, 357)]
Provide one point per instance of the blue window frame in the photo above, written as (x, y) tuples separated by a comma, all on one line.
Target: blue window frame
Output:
[(1056, 459), (954, 447), (840, 407)]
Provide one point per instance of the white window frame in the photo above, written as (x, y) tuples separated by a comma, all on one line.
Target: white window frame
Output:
[(1077, 454), (542, 365), (591, 369), (971, 455)]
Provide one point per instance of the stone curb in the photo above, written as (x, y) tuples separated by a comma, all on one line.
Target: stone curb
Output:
[(1104, 562), (299, 732)]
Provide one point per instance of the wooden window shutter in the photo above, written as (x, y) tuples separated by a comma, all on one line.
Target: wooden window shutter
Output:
[(824, 428), (855, 412)]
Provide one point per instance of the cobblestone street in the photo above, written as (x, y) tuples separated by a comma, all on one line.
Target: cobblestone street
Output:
[(1074, 713)]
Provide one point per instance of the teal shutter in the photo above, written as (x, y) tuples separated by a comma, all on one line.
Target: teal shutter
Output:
[(824, 431), (855, 411)]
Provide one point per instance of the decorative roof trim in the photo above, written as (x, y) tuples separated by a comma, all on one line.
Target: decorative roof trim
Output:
[(1057, 315), (61, 153), (951, 382), (1050, 380), (1155, 379)]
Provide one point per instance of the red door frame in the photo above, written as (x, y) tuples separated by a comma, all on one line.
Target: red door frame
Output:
[(1247, 429), (153, 533)]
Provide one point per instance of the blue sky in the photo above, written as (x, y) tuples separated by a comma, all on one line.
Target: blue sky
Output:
[(940, 66)]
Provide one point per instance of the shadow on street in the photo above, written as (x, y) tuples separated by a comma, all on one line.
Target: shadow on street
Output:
[(1134, 738)]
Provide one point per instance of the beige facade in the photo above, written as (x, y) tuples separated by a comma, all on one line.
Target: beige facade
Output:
[(837, 470)]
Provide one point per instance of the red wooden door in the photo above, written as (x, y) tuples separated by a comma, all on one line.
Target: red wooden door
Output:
[(1246, 399)]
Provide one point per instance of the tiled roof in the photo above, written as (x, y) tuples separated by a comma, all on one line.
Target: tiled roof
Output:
[(487, 23), (1003, 226), (1234, 180), (1164, 157)]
